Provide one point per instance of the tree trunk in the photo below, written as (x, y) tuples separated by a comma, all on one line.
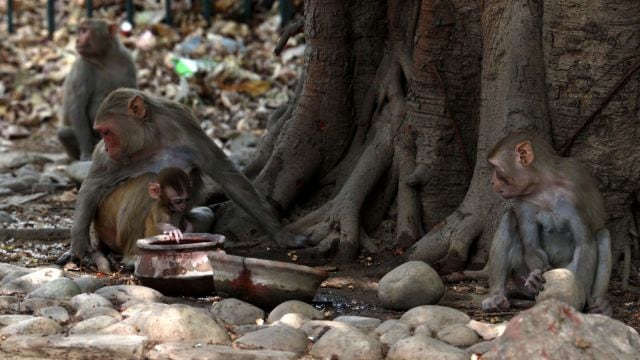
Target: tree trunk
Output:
[(401, 101)]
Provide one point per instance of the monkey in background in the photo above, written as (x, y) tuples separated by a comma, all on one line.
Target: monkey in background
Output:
[(103, 66), (558, 221), (171, 193)]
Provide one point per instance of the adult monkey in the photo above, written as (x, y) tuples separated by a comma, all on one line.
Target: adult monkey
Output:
[(103, 66), (143, 134), (557, 222)]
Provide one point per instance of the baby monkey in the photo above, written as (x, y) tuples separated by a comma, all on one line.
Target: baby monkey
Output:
[(172, 202)]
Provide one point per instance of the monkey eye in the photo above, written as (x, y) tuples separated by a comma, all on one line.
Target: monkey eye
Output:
[(179, 201)]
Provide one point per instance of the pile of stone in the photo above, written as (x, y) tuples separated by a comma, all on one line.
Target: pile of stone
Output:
[(53, 314)]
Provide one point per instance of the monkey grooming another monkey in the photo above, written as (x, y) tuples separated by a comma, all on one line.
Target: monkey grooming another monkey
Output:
[(172, 199), (557, 221), (103, 66), (143, 134)]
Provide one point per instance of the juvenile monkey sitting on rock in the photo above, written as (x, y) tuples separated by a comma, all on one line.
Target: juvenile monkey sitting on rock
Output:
[(557, 221)]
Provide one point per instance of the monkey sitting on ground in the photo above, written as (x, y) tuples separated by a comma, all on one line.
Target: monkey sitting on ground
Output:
[(141, 135), (103, 66), (171, 193), (557, 221)]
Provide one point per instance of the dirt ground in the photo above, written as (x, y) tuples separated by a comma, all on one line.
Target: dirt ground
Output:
[(351, 289)]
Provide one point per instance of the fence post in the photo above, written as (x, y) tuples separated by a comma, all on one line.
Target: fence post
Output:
[(286, 12), (129, 8), (10, 16), (247, 10), (167, 8), (207, 11), (51, 17), (89, 8)]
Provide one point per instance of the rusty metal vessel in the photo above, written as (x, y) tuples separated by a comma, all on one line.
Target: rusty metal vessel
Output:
[(177, 268)]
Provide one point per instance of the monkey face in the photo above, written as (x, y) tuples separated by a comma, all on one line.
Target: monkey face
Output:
[(508, 181), (177, 201), (110, 139)]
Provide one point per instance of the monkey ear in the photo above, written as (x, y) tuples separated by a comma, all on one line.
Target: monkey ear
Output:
[(525, 153), (154, 190), (137, 108), (113, 29)]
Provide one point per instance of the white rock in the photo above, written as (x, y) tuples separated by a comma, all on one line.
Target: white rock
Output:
[(392, 331), (345, 344), (14, 275), (181, 322), (93, 325), (423, 347), (6, 269), (77, 346), (562, 284), (193, 350), (138, 314), (27, 283), (365, 324), (121, 294), (35, 304), (411, 284), (89, 284), (294, 307), (35, 326), (118, 329), (314, 329), (11, 319), (282, 338), (9, 303), (458, 335), (88, 312), (57, 289), (89, 300), (293, 320), (434, 316), (55, 313), (78, 170), (392, 324), (236, 312)]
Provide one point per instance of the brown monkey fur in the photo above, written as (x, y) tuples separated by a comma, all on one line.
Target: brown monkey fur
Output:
[(142, 133), (103, 66), (557, 221), (171, 193)]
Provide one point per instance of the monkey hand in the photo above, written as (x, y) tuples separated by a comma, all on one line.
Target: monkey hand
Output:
[(496, 303), (287, 240), (535, 282), (600, 305), (174, 234)]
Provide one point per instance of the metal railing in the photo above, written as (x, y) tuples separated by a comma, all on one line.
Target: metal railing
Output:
[(286, 12)]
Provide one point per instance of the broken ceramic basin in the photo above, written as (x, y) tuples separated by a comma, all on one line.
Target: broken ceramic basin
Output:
[(177, 268), (264, 283)]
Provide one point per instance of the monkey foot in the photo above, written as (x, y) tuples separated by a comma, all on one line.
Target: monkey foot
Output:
[(496, 303), (65, 258)]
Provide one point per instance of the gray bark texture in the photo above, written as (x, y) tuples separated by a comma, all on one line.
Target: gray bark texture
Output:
[(402, 100)]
